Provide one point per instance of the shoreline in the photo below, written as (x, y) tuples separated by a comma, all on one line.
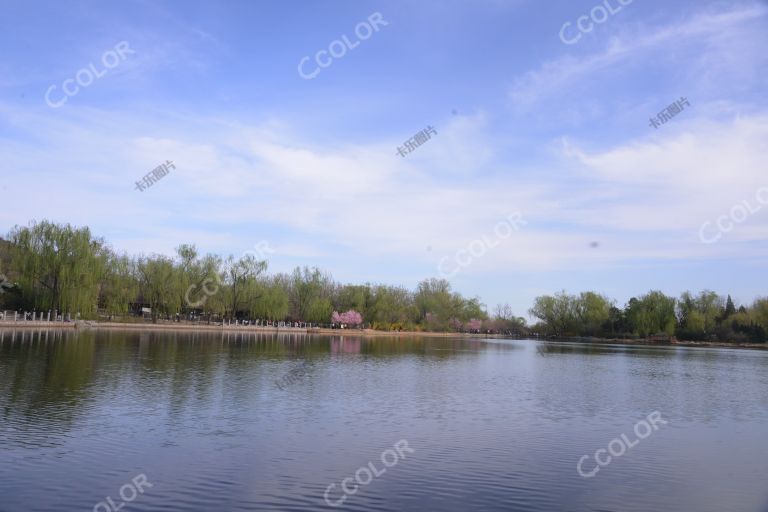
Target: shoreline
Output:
[(174, 326), (366, 333), (648, 343)]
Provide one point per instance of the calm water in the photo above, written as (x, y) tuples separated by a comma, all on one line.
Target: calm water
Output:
[(493, 426)]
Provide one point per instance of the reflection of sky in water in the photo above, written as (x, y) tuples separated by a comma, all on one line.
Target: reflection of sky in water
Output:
[(496, 425)]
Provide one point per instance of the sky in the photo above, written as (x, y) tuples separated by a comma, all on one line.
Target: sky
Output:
[(537, 111)]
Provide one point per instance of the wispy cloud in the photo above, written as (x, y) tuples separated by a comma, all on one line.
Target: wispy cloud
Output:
[(631, 46)]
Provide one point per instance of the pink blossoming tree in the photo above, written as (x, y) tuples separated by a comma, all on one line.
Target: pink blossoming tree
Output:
[(350, 317)]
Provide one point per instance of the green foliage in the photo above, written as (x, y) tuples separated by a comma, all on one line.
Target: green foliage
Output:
[(653, 313), (241, 278), (58, 267), (699, 315), (309, 295), (356, 297), (439, 309), (746, 325), (119, 286), (586, 314), (53, 266), (592, 313), (159, 285), (759, 312), (504, 320), (557, 312), (391, 306), (273, 301)]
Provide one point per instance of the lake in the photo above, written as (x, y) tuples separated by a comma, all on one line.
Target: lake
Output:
[(153, 421)]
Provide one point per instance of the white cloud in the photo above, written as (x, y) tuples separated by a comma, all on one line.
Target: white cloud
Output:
[(236, 184), (717, 48)]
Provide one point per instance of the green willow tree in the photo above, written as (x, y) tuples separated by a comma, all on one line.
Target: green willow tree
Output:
[(273, 302), (159, 285), (557, 312), (392, 307), (241, 280), (699, 316), (653, 313), (356, 297), (310, 293), (188, 272), (59, 267), (593, 312), (119, 286)]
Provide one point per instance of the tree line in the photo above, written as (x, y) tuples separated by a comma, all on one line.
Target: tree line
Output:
[(706, 316), (57, 267)]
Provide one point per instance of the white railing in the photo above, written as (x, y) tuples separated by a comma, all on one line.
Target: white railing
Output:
[(33, 316)]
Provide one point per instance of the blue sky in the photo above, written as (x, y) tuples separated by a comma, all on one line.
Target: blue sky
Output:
[(525, 123)]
